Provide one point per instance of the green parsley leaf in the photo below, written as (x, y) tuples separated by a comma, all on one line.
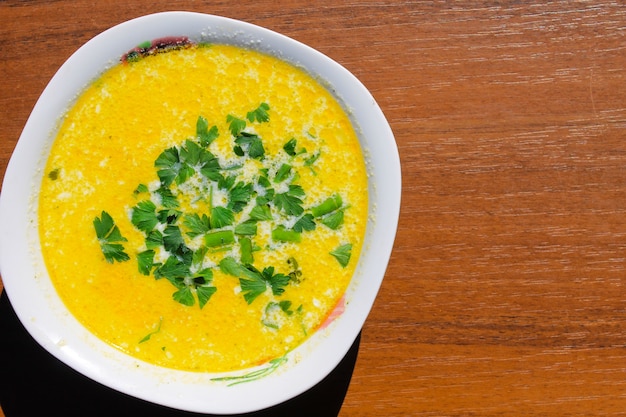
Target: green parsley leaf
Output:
[(205, 135), (184, 296), (251, 281), (210, 166), (235, 125), (204, 294), (172, 269), (190, 153), (334, 220), (290, 202), (141, 188), (342, 254), (197, 225), (247, 228), (221, 217), (239, 196), (172, 239), (154, 239), (168, 163), (198, 256), (168, 216), (252, 143), (259, 114), (304, 223), (108, 235), (144, 216), (277, 281), (260, 213), (145, 261), (168, 199), (290, 147)]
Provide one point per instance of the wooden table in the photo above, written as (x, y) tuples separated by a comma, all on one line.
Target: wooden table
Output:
[(506, 290)]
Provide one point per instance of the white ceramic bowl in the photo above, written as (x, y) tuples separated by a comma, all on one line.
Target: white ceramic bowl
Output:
[(44, 315)]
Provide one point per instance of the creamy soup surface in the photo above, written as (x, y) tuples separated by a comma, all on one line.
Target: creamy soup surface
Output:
[(204, 208)]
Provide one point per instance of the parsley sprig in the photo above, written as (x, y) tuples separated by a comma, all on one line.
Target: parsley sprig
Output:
[(109, 237)]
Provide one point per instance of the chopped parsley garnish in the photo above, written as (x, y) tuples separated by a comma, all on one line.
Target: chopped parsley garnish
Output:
[(197, 225), (342, 254), (144, 216), (149, 335), (260, 114), (205, 134), (305, 223), (204, 213), (109, 236), (250, 143), (290, 201), (254, 282)]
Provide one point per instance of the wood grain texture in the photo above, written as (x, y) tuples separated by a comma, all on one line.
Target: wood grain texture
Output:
[(505, 293)]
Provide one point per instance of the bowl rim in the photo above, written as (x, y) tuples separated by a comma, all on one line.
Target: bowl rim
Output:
[(53, 327)]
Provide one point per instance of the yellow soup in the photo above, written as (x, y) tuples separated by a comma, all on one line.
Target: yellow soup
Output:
[(204, 208)]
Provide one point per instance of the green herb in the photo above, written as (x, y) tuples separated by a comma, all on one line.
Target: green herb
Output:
[(245, 248), (281, 234), (312, 159), (334, 220), (109, 236), (253, 282), (172, 269), (290, 147), (342, 254), (239, 196), (144, 216), (145, 261), (327, 206), (154, 239), (173, 239), (149, 335), (184, 296), (259, 114), (141, 188), (168, 164), (54, 174), (304, 223), (277, 281), (291, 201), (221, 227), (273, 311), (205, 135), (252, 143), (247, 228), (221, 217), (296, 274), (282, 173), (197, 225), (235, 125), (168, 199), (219, 238), (210, 166), (261, 212), (204, 294)]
